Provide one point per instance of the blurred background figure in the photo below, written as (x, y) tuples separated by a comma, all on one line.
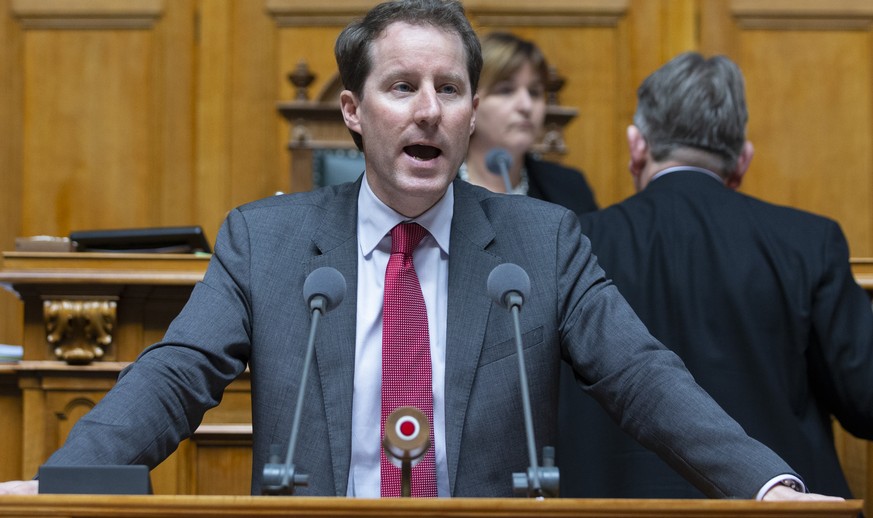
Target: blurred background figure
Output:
[(512, 110)]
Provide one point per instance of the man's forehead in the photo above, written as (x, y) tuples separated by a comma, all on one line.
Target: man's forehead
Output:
[(384, 50), (394, 28)]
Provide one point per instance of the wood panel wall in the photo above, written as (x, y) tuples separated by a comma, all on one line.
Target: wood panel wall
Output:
[(124, 113), (154, 112), (809, 76)]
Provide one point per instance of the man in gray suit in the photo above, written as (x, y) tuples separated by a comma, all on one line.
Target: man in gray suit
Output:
[(410, 69)]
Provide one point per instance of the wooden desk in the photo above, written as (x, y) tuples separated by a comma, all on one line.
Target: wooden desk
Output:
[(135, 297), (146, 290), (10, 423), (243, 507)]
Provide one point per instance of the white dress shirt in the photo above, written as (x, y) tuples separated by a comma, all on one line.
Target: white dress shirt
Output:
[(431, 260)]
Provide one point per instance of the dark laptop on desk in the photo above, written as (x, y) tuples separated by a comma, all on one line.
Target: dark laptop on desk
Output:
[(95, 480)]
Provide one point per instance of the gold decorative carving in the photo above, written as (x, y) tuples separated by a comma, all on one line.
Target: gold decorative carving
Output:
[(80, 330)]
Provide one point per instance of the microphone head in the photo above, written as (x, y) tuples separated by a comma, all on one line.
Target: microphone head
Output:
[(325, 282), (498, 161), (506, 279)]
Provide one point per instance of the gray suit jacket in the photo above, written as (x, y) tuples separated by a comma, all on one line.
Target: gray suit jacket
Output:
[(248, 310)]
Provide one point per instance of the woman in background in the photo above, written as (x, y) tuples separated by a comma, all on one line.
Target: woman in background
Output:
[(511, 113)]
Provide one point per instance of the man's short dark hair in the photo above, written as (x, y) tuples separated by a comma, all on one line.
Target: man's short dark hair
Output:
[(352, 49)]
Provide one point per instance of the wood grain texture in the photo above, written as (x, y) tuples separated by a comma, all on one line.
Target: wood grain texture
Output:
[(238, 506)]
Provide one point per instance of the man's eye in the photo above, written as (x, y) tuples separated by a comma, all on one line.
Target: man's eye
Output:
[(449, 89), (402, 87)]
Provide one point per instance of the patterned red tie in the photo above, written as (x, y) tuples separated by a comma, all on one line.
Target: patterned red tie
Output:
[(406, 371)]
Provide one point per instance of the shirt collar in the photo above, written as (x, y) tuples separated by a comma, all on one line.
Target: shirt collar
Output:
[(674, 169), (375, 219)]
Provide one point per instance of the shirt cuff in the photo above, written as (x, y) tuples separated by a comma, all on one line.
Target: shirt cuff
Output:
[(786, 480)]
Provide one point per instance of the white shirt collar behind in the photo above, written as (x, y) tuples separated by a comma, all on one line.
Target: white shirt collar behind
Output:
[(674, 169)]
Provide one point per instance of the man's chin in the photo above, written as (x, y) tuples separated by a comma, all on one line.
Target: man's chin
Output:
[(417, 195)]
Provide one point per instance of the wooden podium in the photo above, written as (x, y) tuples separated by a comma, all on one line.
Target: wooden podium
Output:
[(82, 506), (117, 304)]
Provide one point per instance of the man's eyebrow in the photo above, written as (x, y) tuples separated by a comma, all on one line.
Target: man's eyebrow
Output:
[(455, 77), (404, 73)]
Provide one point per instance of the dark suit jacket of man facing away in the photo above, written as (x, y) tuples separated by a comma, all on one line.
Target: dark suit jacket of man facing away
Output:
[(559, 184), (249, 311), (759, 301)]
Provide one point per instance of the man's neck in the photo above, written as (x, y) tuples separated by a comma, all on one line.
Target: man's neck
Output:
[(654, 170)]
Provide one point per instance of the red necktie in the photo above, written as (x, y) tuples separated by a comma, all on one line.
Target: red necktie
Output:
[(406, 371)]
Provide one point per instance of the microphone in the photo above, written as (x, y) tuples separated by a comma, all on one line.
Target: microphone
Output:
[(498, 161), (323, 290), (406, 440), (509, 285)]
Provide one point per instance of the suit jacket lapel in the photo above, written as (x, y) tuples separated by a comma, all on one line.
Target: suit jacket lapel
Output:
[(336, 241), (468, 309)]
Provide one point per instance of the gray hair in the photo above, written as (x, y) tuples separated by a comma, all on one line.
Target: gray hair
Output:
[(693, 102), (352, 49)]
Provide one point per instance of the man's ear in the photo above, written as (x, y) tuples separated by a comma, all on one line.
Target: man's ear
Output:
[(349, 106), (639, 151), (735, 178)]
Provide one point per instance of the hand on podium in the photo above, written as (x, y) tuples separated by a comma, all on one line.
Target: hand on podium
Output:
[(780, 492), (19, 487)]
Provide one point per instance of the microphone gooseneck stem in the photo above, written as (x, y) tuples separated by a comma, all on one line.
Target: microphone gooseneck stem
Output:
[(298, 409), (525, 402), (406, 478), (506, 182)]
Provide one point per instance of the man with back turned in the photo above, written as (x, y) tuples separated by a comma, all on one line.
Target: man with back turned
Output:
[(758, 300)]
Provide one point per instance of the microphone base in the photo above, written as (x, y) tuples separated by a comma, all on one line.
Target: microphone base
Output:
[(281, 479), (548, 474), (522, 483)]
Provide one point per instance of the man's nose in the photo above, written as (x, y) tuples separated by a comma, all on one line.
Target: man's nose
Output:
[(427, 107)]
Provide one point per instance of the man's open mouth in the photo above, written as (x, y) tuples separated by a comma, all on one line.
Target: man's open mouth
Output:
[(420, 152)]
